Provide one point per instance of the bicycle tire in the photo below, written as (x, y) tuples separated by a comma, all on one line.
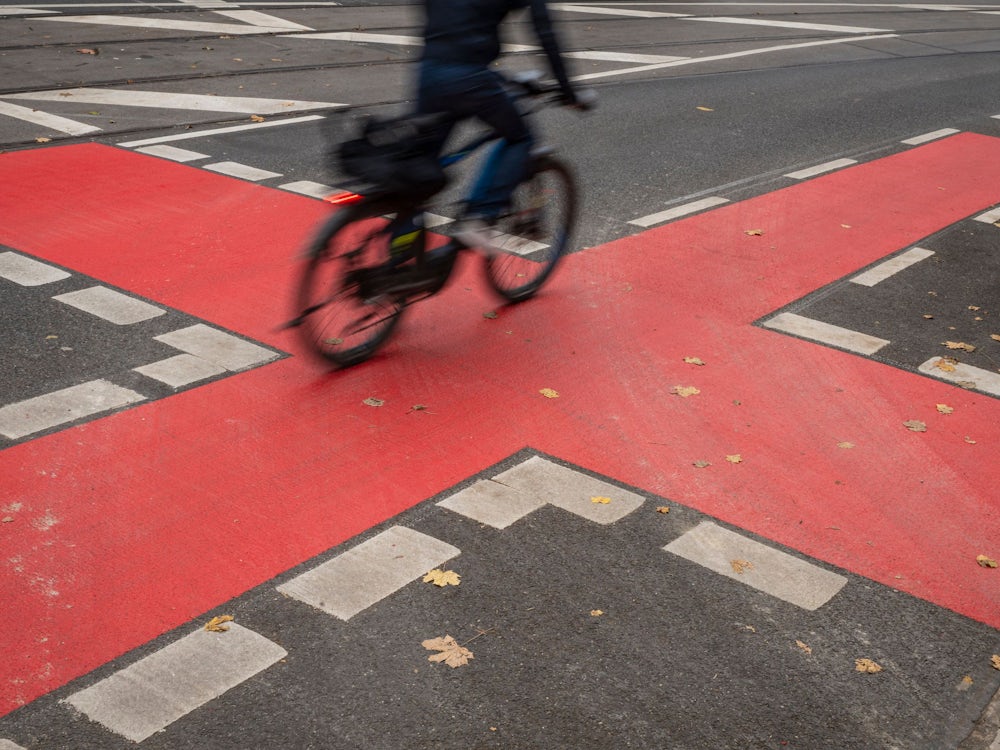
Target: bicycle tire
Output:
[(337, 321), (534, 235)]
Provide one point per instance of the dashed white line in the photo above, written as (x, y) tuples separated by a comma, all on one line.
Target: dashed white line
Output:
[(263, 20), (830, 166), (678, 211), (888, 268), (308, 187), (369, 572), (493, 503), (918, 139), (790, 25), (243, 171), (181, 370), (167, 24), (110, 305), (146, 697), (622, 57), (357, 36), (990, 217), (172, 153), (764, 568), (961, 374), (60, 407), (825, 333), (27, 271), (52, 122), (625, 12), (219, 131), (217, 347), (167, 100), (8, 745)]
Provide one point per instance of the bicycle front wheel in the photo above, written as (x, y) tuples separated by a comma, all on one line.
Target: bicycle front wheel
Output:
[(342, 318), (534, 235)]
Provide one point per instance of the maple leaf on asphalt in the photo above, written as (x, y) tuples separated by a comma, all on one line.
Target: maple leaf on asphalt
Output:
[(448, 650), (443, 577)]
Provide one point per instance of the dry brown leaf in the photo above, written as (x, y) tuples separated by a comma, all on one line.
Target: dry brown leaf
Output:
[(549, 393), (694, 361), (967, 680), (945, 409), (995, 336), (442, 577), (867, 666), (995, 661), (256, 118), (915, 425), (43, 139), (684, 390), (87, 51), (735, 458), (986, 562), (753, 232), (663, 509), (804, 647), (960, 345), (596, 613), (701, 464), (928, 317), (372, 401), (449, 651), (705, 109), (601, 500), (741, 566), (845, 444), (491, 315), (215, 625), (946, 363)]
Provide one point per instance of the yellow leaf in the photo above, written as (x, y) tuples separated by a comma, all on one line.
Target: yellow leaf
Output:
[(443, 577), (549, 393), (736, 458), (596, 613), (449, 651), (43, 139), (915, 425), (705, 109), (995, 661), (946, 363), (845, 444), (684, 390), (945, 409), (256, 118), (959, 345), (601, 500), (995, 336), (804, 647), (693, 361), (741, 566), (867, 666), (663, 509), (986, 562), (215, 624), (967, 680), (754, 232)]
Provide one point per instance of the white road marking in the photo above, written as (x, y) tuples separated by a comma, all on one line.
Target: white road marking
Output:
[(244, 172), (27, 271), (167, 100), (60, 407), (791, 25), (23, 12), (622, 57), (357, 36), (146, 697), (829, 166), (110, 305), (219, 131), (573, 8), (824, 333), (368, 573), (217, 347), (172, 153), (168, 24), (729, 56), (570, 490), (772, 571), (981, 379), (181, 370), (494, 503), (308, 187), (990, 217), (678, 211), (8, 745), (263, 20), (52, 122), (918, 139), (883, 271)]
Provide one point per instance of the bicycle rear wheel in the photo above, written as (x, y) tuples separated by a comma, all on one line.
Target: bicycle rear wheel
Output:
[(535, 233), (343, 319)]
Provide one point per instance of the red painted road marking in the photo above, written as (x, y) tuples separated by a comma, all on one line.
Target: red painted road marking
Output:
[(133, 524)]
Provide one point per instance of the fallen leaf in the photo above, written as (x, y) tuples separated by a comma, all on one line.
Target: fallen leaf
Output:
[(867, 666), (961, 345), (684, 390), (596, 613), (741, 566), (995, 661), (372, 401), (928, 317), (87, 51), (705, 109), (945, 409), (693, 361), (915, 425), (995, 336), (946, 363), (845, 444), (966, 682), (701, 464), (549, 393), (215, 624), (986, 562), (846, 226), (7, 519), (490, 315), (42, 139), (443, 577), (736, 458), (804, 647), (975, 308), (969, 440), (754, 232), (663, 509), (418, 407), (966, 384), (450, 652), (601, 500), (256, 118)]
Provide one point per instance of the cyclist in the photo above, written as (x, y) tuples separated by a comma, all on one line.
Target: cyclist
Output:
[(461, 41)]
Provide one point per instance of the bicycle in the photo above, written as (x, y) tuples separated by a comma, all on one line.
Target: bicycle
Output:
[(351, 298)]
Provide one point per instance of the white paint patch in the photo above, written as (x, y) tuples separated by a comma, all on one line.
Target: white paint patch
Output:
[(830, 166), (792, 25), (357, 36), (215, 346), (146, 697), (884, 270), (51, 122), (308, 187), (990, 217), (172, 153), (181, 370), (493, 503), (824, 333), (110, 305), (263, 20), (22, 12), (33, 415), (244, 172), (8, 745), (220, 131), (369, 572), (166, 100), (918, 139), (764, 568), (983, 380), (27, 271), (168, 24), (678, 211), (625, 12), (622, 57)]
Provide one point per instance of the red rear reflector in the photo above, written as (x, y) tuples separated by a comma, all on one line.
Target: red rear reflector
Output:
[(341, 199)]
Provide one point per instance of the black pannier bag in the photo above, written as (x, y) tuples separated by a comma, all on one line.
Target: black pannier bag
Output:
[(396, 156)]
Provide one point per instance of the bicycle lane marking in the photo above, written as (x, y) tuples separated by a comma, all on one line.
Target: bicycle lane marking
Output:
[(178, 505)]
